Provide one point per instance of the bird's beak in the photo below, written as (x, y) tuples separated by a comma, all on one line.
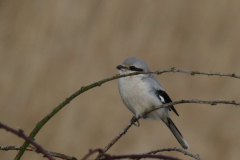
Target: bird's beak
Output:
[(119, 67)]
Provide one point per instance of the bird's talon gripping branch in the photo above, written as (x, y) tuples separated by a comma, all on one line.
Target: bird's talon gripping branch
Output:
[(134, 120)]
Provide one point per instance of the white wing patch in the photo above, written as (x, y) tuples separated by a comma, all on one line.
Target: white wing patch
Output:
[(162, 99)]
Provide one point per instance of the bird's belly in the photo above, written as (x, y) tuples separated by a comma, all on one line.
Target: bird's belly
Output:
[(137, 97)]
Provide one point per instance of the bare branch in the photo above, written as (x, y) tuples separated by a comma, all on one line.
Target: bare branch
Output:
[(194, 101), (175, 149), (100, 151), (138, 156), (162, 106), (195, 72), (134, 156), (22, 135), (30, 148), (62, 156), (99, 83), (116, 138), (65, 157)]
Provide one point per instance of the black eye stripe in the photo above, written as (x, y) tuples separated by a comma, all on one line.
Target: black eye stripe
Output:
[(133, 68)]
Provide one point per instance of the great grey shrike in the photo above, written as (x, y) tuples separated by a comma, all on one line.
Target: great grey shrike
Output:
[(142, 92)]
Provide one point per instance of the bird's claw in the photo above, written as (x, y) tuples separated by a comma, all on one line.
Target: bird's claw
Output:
[(134, 120)]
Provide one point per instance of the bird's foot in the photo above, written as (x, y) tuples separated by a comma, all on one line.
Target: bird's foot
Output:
[(134, 120)]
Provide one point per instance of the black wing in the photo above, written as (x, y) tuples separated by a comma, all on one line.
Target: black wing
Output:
[(163, 96)]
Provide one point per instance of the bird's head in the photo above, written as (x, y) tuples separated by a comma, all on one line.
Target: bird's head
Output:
[(131, 65)]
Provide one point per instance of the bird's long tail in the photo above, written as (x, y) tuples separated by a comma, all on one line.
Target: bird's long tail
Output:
[(176, 133)]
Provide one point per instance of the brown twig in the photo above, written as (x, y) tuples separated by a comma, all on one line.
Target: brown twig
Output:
[(162, 106), (139, 156), (136, 156), (175, 149), (133, 156), (194, 101), (195, 72), (100, 151), (22, 135), (30, 148), (65, 157), (116, 138)]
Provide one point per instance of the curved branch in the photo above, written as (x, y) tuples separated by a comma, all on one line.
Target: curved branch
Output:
[(22, 135), (193, 101), (138, 156), (162, 106), (133, 156), (30, 148), (175, 149), (41, 123), (100, 151), (233, 75), (116, 138)]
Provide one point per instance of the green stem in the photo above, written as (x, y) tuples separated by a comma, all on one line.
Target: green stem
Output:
[(58, 108)]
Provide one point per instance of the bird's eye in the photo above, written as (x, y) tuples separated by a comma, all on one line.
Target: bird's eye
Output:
[(132, 67)]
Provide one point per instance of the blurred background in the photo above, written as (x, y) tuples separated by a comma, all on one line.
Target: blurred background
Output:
[(49, 49)]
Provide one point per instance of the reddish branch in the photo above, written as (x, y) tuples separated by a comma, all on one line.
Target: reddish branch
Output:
[(100, 151), (104, 156), (133, 156), (117, 138), (30, 148), (26, 138), (175, 149), (138, 156)]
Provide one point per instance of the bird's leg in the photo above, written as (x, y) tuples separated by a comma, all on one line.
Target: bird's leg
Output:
[(134, 120)]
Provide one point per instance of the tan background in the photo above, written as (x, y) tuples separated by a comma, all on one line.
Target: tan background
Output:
[(49, 49)]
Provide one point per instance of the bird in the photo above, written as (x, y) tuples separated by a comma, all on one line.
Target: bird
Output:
[(142, 92)]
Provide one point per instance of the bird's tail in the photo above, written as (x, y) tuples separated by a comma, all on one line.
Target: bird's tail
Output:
[(176, 133)]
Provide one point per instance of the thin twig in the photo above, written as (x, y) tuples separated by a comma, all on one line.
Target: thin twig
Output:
[(62, 156), (41, 123), (162, 106), (175, 149), (138, 156), (133, 156), (116, 138), (233, 75), (193, 101), (30, 148), (100, 151), (22, 135)]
